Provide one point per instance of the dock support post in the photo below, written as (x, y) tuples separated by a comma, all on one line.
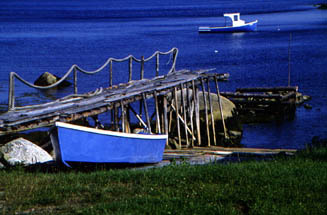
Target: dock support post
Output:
[(116, 118), (177, 118), (211, 113), (130, 68), (122, 115), (165, 116), (157, 64), (206, 110), (190, 106), (184, 114), (146, 112), (158, 128), (75, 80), (221, 108), (11, 96), (110, 73), (197, 111), (142, 68)]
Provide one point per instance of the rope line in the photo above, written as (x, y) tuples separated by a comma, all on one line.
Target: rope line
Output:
[(11, 98)]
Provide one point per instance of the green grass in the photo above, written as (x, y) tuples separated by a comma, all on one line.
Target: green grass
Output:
[(295, 185)]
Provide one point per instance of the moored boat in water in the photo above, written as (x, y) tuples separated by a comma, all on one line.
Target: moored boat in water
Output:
[(237, 25), (79, 144)]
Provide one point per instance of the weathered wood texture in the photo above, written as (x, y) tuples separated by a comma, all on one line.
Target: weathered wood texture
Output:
[(75, 106)]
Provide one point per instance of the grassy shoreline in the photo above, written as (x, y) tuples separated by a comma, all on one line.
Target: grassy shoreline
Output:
[(286, 185)]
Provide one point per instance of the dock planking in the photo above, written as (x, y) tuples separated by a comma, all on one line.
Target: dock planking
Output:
[(76, 106)]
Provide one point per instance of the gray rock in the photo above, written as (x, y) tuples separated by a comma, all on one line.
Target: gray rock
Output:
[(2, 166), (47, 79), (21, 151)]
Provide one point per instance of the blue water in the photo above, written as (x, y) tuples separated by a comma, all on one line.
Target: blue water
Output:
[(40, 36)]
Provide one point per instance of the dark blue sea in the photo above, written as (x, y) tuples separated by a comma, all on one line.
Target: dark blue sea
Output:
[(51, 36)]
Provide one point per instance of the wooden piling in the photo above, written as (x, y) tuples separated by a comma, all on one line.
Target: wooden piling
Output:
[(158, 128), (110, 73), (190, 105), (146, 112), (197, 111), (142, 68), (165, 116), (177, 119), (122, 115), (221, 108), (75, 81), (130, 68), (206, 110), (157, 64), (184, 114), (211, 113)]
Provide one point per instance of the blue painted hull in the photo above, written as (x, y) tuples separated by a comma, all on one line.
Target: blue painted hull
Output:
[(80, 144), (252, 26)]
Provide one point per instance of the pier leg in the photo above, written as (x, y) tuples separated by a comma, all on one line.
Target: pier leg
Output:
[(221, 108), (206, 110), (184, 114), (165, 116), (211, 113), (177, 119), (122, 115), (158, 128), (197, 112), (146, 112), (190, 105)]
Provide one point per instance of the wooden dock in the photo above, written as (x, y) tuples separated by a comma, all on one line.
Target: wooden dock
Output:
[(262, 104), (119, 101)]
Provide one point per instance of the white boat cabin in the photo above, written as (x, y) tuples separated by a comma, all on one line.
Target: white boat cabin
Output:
[(235, 17)]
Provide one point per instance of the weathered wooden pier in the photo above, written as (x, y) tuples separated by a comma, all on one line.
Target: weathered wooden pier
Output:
[(117, 101), (175, 98), (261, 104)]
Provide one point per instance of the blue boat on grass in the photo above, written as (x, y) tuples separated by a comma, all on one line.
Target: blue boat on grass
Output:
[(237, 25), (79, 144)]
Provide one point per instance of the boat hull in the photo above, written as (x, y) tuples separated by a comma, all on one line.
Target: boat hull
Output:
[(248, 27), (74, 143)]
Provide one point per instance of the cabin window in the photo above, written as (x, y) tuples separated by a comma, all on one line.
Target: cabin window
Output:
[(235, 18)]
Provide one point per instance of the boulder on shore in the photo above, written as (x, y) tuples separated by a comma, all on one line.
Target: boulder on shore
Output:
[(47, 79), (21, 151)]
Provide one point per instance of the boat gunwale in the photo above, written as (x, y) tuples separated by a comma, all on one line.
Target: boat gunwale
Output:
[(111, 133), (204, 28)]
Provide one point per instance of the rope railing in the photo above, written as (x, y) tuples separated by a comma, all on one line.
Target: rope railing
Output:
[(75, 68)]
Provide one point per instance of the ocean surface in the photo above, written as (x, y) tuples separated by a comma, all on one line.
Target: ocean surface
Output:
[(51, 36)]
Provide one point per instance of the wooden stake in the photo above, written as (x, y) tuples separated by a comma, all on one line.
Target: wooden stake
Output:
[(110, 73), (190, 105), (157, 65), (146, 112), (221, 108), (184, 113), (75, 81), (122, 115), (142, 67), (130, 68), (177, 119), (211, 113), (197, 111), (165, 116), (206, 111), (158, 129)]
